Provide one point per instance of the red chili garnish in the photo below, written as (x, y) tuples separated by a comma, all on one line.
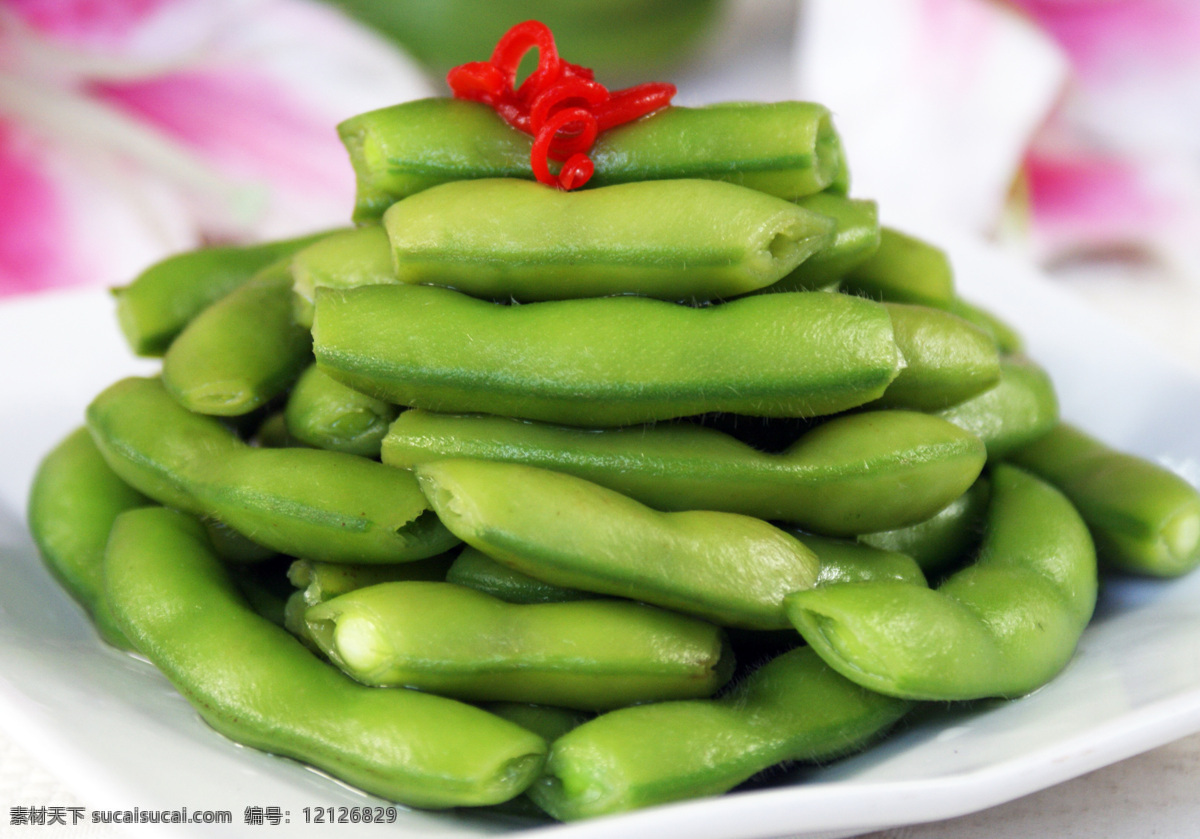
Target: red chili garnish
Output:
[(560, 104)]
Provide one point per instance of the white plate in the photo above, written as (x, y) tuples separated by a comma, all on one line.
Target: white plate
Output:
[(116, 732)]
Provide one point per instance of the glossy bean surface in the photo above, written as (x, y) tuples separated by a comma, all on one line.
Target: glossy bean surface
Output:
[(74, 500), (240, 352), (324, 413), (301, 502), (856, 237), (1145, 518), (730, 569), (254, 683), (606, 361), (693, 239), (838, 478), (454, 641), (163, 299), (793, 708), (787, 149), (1017, 410), (1003, 626)]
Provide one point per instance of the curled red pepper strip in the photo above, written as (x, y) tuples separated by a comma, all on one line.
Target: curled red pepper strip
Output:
[(576, 172), (563, 91), (633, 103), (512, 48), (478, 81), (560, 104), (585, 136)]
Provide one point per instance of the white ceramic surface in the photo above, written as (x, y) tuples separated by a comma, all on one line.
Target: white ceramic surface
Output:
[(117, 733)]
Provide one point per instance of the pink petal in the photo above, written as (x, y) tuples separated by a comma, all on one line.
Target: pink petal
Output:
[(85, 21), (1110, 38), (31, 221), (1091, 202), (936, 99), (244, 124)]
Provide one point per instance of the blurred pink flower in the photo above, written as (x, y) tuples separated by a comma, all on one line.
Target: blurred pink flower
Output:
[(133, 128), (1117, 164), (1094, 103)]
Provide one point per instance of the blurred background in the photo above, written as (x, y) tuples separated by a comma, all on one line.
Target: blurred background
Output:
[(1068, 130)]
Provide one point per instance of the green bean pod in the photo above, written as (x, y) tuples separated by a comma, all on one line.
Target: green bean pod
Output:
[(947, 360), (1017, 410), (235, 548), (1003, 626), (786, 149), (476, 570), (547, 721), (324, 413), (252, 682), (502, 238), (1145, 519), (730, 569), (346, 259), (856, 237), (164, 298), (904, 269), (844, 561), (301, 502), (321, 581), (606, 361), (942, 539), (793, 708), (1007, 339), (240, 352), (74, 500), (837, 479), (454, 641)]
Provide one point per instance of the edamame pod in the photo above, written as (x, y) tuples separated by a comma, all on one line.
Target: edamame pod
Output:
[(793, 708), (606, 361), (164, 298), (240, 352), (843, 561), (321, 581), (1145, 519), (254, 683), (454, 641), (323, 412), (301, 502), (347, 259), (1003, 626), (787, 149), (475, 569), (547, 721), (904, 269), (943, 539), (317, 582), (856, 236), (233, 547), (504, 238), (1007, 339), (730, 569), (74, 500), (839, 478), (1017, 410), (946, 359)]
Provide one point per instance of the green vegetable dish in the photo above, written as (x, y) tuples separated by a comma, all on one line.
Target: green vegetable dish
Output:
[(593, 499)]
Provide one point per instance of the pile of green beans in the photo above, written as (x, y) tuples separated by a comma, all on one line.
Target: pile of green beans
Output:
[(741, 479)]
